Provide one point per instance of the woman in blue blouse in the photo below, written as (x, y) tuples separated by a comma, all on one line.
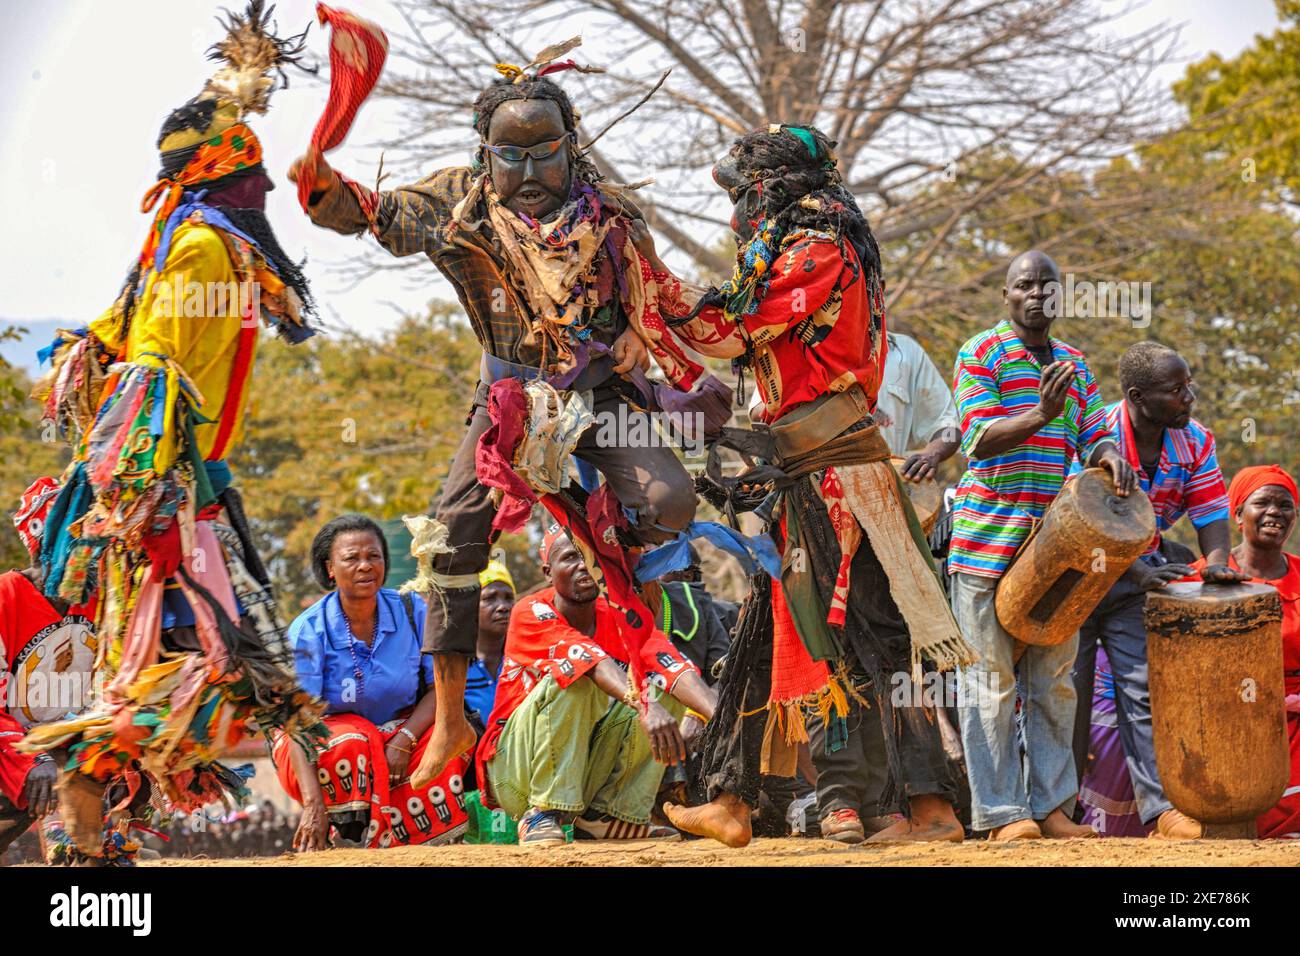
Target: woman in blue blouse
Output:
[(358, 650)]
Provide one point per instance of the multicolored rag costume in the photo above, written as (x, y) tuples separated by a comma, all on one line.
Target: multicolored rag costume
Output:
[(192, 654), (858, 599)]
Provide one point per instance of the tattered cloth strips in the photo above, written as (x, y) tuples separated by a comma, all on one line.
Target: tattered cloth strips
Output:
[(553, 264), (551, 434), (870, 494), (525, 451), (429, 538), (70, 391), (176, 713), (358, 49)]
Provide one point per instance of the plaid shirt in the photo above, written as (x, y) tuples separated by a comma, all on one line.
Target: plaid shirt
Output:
[(1000, 498), (413, 219), (1187, 479)]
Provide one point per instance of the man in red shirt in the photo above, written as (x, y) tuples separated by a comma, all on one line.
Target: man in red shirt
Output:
[(46, 653), (568, 736)]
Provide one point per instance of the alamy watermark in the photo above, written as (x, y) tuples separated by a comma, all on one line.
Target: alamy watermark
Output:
[(628, 428), (1085, 299)]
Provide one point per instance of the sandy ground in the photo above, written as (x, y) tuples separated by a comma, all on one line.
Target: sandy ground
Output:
[(803, 852)]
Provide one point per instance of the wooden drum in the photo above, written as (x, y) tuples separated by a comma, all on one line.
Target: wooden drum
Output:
[(1218, 705), (926, 496), (1087, 540)]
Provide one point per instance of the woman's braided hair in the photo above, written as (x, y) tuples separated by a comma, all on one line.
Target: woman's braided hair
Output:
[(801, 186), (504, 90)]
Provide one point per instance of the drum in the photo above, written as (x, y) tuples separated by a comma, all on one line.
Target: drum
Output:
[(1218, 706), (926, 496), (1086, 541)]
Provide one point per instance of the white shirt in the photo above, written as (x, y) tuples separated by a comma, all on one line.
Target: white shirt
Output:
[(914, 395)]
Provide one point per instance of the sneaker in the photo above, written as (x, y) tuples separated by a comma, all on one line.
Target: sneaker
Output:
[(541, 828), (607, 828), (843, 826)]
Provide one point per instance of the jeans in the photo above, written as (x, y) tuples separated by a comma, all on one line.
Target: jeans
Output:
[(1117, 625), (1005, 785), (575, 749)]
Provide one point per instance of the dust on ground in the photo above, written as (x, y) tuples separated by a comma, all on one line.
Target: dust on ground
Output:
[(804, 852)]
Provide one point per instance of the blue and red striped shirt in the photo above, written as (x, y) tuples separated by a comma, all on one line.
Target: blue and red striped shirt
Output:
[(1187, 479), (1000, 498)]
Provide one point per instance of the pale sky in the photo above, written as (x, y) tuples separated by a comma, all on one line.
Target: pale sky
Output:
[(85, 84)]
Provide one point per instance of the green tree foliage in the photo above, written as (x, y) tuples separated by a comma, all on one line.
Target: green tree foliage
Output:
[(1246, 109), (27, 452)]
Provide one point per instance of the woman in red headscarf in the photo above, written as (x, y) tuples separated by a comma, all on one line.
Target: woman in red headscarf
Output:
[(1263, 499)]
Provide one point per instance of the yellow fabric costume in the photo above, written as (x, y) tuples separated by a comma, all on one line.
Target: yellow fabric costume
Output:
[(190, 312)]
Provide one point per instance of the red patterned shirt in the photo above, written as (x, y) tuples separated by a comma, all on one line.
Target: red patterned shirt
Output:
[(819, 328), (541, 643)]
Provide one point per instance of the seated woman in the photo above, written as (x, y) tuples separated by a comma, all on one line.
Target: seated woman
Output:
[(1263, 498), (358, 650)]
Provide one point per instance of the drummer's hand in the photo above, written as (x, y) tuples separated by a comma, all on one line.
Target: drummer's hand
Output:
[(1221, 574), (1166, 573), (1293, 703), (1120, 470), (1054, 388), (629, 352), (922, 465)]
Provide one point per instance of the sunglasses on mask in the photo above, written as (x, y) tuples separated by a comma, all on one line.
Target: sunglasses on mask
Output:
[(517, 154)]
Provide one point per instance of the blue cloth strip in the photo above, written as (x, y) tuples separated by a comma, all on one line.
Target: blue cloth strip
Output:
[(676, 555)]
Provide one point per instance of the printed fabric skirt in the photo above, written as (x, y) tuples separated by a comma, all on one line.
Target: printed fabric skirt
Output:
[(353, 775), (1109, 805)]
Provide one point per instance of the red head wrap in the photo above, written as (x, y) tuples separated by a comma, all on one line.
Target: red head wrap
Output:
[(1249, 480), (553, 534)]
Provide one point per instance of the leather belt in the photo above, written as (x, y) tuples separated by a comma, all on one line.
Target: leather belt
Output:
[(815, 423)]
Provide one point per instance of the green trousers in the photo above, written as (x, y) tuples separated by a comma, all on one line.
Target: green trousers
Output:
[(576, 749)]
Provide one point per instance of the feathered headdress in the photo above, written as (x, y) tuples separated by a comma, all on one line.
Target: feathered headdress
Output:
[(544, 63), (206, 140), (251, 58)]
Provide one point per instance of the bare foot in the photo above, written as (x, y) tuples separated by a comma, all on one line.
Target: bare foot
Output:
[(933, 821), (725, 819), (451, 738)]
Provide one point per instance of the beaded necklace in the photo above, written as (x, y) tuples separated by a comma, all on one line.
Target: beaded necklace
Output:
[(352, 649)]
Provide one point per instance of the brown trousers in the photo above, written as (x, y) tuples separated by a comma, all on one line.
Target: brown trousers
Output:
[(650, 481)]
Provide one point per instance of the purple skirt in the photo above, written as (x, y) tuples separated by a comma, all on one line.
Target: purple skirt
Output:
[(1106, 793)]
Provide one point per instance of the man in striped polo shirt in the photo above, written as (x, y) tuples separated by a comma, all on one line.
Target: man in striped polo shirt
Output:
[(1176, 464), (1028, 406)]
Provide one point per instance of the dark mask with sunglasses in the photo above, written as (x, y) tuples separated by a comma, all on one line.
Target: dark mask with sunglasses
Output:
[(746, 195), (528, 158)]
